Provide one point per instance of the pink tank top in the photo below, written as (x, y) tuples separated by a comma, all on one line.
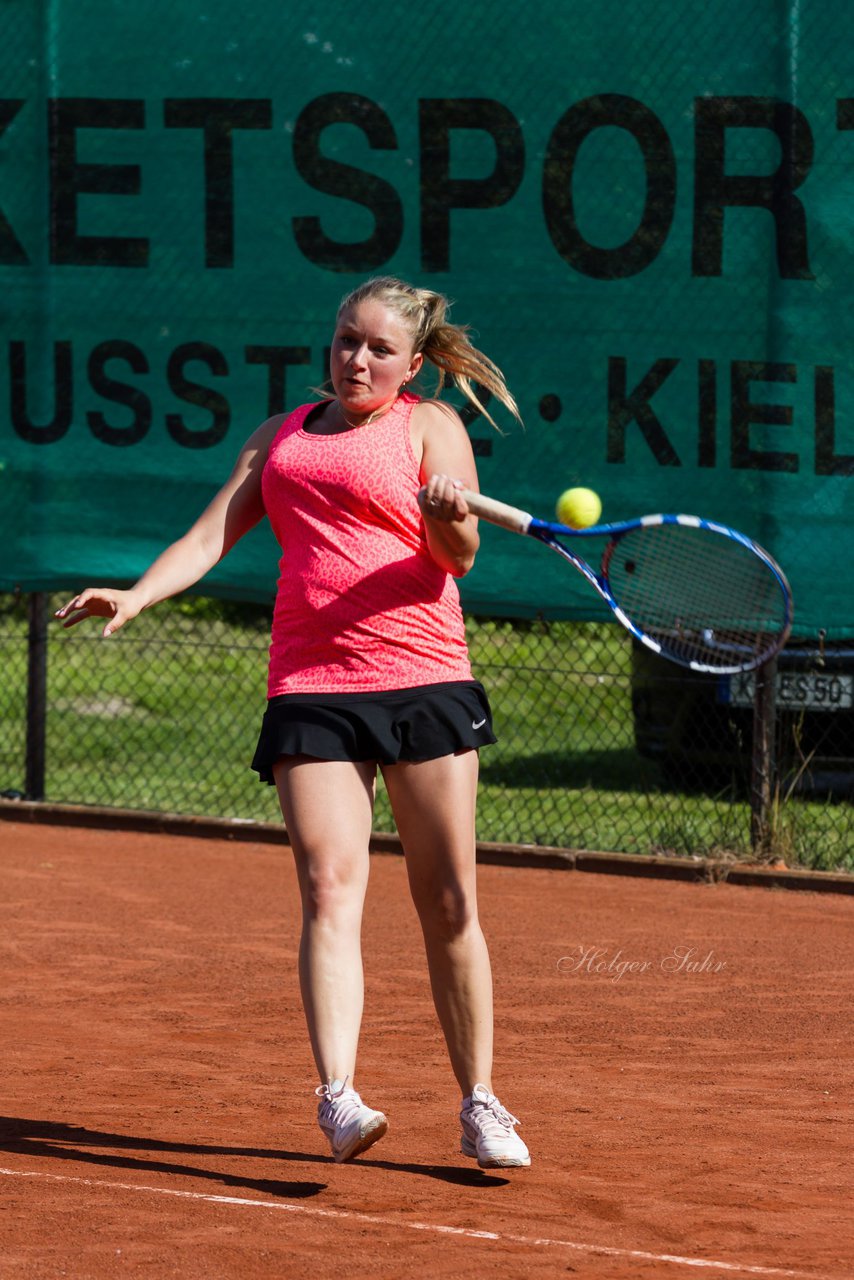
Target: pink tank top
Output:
[(361, 604)]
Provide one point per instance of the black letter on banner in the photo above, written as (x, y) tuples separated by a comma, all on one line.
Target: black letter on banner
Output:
[(609, 110), (11, 250), (715, 190), (63, 395), (119, 392), (346, 183), (745, 413), (624, 408), (439, 191), (69, 179), (707, 412), (278, 360), (827, 462), (218, 117), (215, 404)]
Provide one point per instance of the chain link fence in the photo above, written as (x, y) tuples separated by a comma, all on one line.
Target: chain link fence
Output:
[(599, 747)]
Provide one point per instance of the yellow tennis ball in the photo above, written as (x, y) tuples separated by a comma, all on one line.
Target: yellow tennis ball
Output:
[(578, 508)]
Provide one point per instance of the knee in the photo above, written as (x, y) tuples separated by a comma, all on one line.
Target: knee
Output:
[(446, 911), (330, 893)]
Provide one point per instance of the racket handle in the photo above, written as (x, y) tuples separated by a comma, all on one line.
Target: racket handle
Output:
[(495, 512)]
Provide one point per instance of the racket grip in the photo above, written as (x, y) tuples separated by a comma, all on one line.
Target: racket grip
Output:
[(496, 512)]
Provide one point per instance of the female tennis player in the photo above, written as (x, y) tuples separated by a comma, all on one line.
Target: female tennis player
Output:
[(369, 671)]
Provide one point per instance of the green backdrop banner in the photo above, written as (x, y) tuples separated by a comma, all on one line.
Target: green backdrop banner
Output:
[(646, 213)]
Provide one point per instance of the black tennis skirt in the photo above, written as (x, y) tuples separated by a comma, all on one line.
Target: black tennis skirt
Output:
[(406, 724)]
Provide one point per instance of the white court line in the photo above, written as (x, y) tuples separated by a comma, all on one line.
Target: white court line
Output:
[(502, 1237)]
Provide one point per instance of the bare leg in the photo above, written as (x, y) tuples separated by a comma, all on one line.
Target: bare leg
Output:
[(434, 807), (328, 807)]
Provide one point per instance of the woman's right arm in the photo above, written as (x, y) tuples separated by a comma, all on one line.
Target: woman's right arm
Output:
[(236, 509)]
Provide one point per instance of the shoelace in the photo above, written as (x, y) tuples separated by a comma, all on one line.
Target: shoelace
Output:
[(496, 1119), (343, 1103)]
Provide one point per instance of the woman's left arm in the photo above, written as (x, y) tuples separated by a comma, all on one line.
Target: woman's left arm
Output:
[(447, 466)]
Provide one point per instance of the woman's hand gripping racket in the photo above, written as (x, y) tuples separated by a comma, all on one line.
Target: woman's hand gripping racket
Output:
[(696, 592)]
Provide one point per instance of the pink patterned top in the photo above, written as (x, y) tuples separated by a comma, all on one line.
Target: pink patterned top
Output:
[(361, 604)]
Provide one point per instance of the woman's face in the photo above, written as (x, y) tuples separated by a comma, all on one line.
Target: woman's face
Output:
[(371, 357)]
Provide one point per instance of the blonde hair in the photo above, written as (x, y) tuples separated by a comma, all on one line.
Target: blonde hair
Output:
[(447, 346)]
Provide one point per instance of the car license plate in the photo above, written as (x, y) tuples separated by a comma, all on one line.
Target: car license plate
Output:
[(796, 691)]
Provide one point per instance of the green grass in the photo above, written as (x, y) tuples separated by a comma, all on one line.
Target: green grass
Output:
[(165, 715)]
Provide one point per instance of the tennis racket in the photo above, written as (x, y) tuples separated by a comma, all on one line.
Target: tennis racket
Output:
[(696, 592)]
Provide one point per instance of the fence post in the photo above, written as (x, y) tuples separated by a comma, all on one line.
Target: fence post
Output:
[(764, 764), (36, 695)]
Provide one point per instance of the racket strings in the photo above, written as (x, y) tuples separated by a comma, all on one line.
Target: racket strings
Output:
[(704, 596)]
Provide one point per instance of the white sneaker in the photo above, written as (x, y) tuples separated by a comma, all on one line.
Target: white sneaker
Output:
[(350, 1126), (488, 1132)]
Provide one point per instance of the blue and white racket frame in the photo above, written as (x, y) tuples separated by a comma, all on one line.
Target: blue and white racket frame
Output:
[(550, 533)]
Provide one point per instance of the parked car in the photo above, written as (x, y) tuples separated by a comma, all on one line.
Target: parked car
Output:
[(700, 727)]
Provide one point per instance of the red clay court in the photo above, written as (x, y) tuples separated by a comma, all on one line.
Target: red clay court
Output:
[(679, 1054)]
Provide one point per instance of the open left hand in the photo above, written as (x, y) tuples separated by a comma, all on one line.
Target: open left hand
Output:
[(101, 602)]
